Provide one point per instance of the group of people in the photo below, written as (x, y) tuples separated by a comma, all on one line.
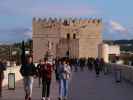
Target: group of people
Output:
[(63, 71), (44, 71), (96, 64)]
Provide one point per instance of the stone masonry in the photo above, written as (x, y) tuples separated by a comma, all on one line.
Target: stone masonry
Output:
[(79, 37)]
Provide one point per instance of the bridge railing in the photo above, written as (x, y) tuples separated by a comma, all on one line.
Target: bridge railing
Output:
[(126, 71), (15, 70)]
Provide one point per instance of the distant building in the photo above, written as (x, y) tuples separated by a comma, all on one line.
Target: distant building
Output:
[(114, 49), (106, 50), (74, 38)]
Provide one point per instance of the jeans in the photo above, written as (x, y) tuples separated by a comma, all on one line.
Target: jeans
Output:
[(46, 88), (39, 81), (1, 80), (28, 85), (63, 88)]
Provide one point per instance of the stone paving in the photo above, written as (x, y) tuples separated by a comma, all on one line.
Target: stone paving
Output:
[(18, 93), (84, 86)]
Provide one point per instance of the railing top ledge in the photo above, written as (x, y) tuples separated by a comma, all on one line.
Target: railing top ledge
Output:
[(122, 66)]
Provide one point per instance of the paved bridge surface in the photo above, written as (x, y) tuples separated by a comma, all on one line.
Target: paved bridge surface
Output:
[(84, 86)]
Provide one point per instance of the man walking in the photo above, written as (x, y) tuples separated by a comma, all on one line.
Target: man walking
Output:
[(28, 71)]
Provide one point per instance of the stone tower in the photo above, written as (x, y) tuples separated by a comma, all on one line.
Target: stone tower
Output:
[(79, 37)]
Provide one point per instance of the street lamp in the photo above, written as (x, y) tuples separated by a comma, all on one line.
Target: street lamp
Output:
[(11, 74), (68, 46)]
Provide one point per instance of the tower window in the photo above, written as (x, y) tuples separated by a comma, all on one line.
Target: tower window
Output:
[(68, 36), (66, 23), (74, 36)]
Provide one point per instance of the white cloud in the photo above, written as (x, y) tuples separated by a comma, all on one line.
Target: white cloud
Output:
[(28, 33), (114, 30), (115, 26), (112, 27), (16, 34)]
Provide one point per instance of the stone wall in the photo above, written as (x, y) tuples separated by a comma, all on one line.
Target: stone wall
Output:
[(70, 45), (126, 71), (86, 31), (15, 70)]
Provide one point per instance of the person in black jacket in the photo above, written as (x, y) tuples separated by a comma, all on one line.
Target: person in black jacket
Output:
[(38, 72), (2, 68), (28, 71), (97, 67)]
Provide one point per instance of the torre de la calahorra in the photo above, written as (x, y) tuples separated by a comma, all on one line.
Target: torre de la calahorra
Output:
[(66, 37)]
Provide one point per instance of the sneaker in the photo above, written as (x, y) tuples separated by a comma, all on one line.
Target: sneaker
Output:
[(59, 98), (65, 98), (26, 97), (0, 95), (43, 98), (29, 98), (48, 98)]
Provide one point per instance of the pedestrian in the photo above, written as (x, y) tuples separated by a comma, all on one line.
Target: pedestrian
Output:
[(65, 73), (76, 65), (39, 72), (89, 63), (57, 71), (28, 71), (46, 75), (2, 69), (102, 66), (81, 64), (97, 67)]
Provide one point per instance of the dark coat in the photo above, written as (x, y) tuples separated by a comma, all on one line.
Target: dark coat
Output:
[(2, 68), (28, 70), (38, 70), (46, 71)]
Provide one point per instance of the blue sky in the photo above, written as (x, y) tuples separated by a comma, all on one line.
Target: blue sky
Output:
[(16, 16)]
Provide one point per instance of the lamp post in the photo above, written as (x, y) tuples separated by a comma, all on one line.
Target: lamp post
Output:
[(68, 46), (10, 55), (11, 74), (23, 56)]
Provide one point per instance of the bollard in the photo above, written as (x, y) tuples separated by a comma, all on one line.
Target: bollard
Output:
[(11, 81), (105, 70), (118, 75)]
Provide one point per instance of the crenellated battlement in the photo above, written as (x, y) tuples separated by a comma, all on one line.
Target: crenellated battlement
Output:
[(80, 36), (67, 21)]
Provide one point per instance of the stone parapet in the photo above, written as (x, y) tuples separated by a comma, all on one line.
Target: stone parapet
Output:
[(15, 70), (126, 71)]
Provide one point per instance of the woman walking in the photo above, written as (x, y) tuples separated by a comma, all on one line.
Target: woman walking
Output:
[(46, 75), (65, 71), (28, 71)]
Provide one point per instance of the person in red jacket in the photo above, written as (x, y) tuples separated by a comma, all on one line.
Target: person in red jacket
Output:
[(46, 74)]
